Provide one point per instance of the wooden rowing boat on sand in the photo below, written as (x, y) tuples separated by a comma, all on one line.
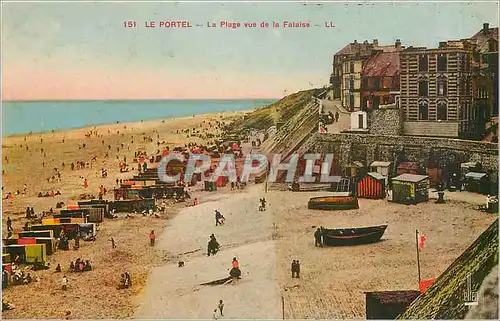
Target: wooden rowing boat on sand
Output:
[(309, 187), (339, 201), (353, 236)]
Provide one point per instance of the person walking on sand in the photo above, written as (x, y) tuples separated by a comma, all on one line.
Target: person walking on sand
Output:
[(218, 216), (64, 283), (214, 315), (294, 268), (9, 225), (221, 308), (85, 183), (152, 238), (317, 238)]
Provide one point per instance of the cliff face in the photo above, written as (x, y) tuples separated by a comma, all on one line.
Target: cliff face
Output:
[(446, 298)]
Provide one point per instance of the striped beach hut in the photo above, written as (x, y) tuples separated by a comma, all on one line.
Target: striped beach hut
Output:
[(371, 186)]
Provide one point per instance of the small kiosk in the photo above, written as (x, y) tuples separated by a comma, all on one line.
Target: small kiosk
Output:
[(477, 183), (353, 169), (410, 189), (371, 186), (383, 168)]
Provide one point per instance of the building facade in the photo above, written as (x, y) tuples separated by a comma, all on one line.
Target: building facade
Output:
[(346, 76), (380, 79), (348, 66), (351, 83), (485, 82), (436, 90)]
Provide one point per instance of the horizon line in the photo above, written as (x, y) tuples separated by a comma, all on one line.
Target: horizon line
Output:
[(135, 99)]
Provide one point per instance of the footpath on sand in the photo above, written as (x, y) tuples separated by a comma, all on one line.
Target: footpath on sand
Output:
[(175, 292)]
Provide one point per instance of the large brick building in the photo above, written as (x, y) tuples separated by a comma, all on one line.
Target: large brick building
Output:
[(485, 80), (436, 90), (348, 65)]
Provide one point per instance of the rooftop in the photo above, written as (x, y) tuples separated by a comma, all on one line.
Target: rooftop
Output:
[(380, 164), (410, 178), (365, 48), (383, 64), (377, 176), (482, 37)]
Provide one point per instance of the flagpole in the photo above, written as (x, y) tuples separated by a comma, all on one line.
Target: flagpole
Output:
[(418, 256)]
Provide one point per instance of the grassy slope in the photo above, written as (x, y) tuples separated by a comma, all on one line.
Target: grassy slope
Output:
[(266, 117)]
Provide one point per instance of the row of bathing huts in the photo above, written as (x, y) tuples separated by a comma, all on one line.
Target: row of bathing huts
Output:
[(37, 241), (147, 185)]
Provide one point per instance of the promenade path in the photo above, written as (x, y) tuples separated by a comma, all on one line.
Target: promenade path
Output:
[(174, 292), (344, 116)]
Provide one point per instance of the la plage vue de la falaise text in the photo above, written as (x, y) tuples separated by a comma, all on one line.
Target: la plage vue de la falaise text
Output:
[(225, 24)]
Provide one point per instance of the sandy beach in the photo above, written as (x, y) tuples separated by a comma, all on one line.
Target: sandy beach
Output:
[(333, 280), (174, 292), (86, 291)]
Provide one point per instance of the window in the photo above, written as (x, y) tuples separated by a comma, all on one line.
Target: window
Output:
[(351, 101), (351, 67), (442, 111), (365, 83), (423, 110), (491, 45), (351, 82), (423, 88), (376, 83), (442, 62), (423, 63), (442, 86)]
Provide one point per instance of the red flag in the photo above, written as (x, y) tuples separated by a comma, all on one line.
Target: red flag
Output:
[(421, 241)]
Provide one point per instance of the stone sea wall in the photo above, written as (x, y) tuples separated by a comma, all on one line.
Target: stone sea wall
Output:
[(387, 121), (427, 151)]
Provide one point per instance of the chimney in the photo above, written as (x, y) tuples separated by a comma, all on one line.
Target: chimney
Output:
[(375, 42), (442, 44), (365, 42), (486, 28), (355, 41), (397, 44)]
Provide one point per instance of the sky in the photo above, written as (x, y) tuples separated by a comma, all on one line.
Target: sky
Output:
[(58, 51)]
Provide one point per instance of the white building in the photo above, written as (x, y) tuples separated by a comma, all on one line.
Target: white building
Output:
[(359, 121)]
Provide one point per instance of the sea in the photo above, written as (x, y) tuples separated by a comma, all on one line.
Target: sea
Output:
[(21, 117)]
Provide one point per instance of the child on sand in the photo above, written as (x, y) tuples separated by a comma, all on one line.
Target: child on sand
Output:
[(152, 238), (64, 283)]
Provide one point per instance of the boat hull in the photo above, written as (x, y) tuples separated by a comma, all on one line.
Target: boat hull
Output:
[(333, 203), (354, 236), (310, 187)]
